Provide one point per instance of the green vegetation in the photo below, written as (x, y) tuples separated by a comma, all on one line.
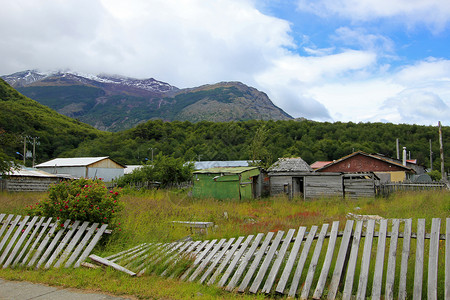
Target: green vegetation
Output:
[(165, 170), (147, 217), (21, 116), (82, 199), (309, 140)]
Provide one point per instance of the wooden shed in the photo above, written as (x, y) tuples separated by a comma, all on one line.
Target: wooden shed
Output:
[(295, 178), (86, 167), (28, 180)]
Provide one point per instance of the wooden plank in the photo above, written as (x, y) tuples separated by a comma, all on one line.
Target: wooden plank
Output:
[(405, 256), (198, 259), (187, 254), (125, 252), (91, 245), (71, 230), (433, 259), (244, 262), (4, 226), (111, 264), (37, 240), (135, 256), (225, 261), (156, 252), (13, 239), (276, 265), (365, 261), (265, 265), (291, 260), (234, 262), (216, 260), (390, 274), (301, 262), (53, 243), (73, 242), (418, 270), (348, 286), (379, 261), (81, 245), (312, 266), (447, 260), (255, 262), (205, 262), (339, 266), (174, 258), (8, 233), (327, 261), (20, 242)]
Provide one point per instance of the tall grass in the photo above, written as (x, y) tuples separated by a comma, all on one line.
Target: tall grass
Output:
[(148, 217)]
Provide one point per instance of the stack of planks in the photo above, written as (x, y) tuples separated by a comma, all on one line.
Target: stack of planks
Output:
[(308, 263), (39, 242)]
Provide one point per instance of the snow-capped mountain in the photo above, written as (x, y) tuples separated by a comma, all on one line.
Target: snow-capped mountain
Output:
[(27, 78)]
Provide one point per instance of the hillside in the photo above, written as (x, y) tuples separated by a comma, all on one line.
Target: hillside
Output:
[(115, 103), (21, 116)]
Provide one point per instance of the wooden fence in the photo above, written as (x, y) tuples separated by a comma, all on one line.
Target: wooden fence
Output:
[(386, 189), (314, 263), (39, 242)]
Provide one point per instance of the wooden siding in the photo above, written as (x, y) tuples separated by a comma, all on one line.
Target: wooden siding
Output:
[(106, 163), (27, 184), (323, 186)]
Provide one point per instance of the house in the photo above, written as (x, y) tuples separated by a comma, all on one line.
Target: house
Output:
[(295, 178), (28, 180), (387, 170), (87, 167), (227, 183)]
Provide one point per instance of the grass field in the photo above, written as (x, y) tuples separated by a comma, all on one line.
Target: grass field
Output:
[(148, 217)]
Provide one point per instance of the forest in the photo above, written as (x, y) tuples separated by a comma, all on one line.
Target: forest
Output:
[(266, 141)]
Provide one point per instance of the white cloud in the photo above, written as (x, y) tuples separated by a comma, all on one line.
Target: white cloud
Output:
[(433, 13)]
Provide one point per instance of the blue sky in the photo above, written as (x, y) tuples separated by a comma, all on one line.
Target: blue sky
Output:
[(325, 60)]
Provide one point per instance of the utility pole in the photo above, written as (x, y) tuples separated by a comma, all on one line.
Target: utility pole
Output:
[(398, 149), (441, 145), (24, 149), (34, 149), (431, 157)]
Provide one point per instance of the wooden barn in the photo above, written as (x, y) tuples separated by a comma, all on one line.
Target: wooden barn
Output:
[(86, 167), (387, 170), (295, 178)]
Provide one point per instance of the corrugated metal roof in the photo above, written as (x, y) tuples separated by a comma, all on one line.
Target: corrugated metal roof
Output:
[(201, 165), (290, 165), (71, 162), (227, 170), (27, 172)]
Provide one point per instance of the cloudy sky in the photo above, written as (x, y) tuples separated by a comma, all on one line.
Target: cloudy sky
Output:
[(326, 60)]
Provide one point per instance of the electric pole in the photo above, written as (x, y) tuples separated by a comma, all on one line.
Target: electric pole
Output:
[(441, 145), (431, 157)]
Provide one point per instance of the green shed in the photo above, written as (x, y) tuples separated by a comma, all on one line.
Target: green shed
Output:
[(227, 183)]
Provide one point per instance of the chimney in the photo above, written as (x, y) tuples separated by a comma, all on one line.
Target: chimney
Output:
[(404, 156)]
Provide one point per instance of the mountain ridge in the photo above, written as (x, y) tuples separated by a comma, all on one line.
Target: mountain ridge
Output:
[(115, 102)]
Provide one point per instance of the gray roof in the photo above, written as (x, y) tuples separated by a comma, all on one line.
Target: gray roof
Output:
[(201, 165), (71, 162), (290, 165)]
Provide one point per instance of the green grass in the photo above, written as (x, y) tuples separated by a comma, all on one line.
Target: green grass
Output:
[(148, 217)]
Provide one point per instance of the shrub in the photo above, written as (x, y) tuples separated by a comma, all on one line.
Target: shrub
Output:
[(82, 199)]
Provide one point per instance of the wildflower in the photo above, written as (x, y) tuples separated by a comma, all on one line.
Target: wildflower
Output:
[(62, 225), (66, 206), (116, 193)]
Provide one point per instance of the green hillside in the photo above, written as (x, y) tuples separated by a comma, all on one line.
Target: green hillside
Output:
[(21, 116)]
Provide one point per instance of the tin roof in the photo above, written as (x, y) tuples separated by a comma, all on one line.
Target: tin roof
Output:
[(30, 172), (201, 165), (295, 164), (227, 170), (72, 162)]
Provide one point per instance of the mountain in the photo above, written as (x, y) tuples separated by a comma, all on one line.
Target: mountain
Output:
[(113, 103), (23, 117)]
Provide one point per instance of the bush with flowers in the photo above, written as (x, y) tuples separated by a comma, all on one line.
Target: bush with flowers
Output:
[(82, 199)]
